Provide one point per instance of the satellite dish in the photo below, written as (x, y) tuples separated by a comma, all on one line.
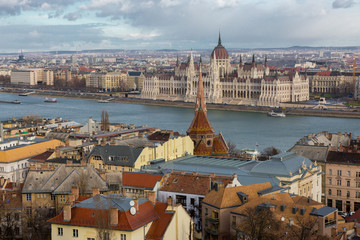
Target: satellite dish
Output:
[(132, 203), (132, 211), (282, 219)]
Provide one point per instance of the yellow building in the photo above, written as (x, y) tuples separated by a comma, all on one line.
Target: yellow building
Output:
[(127, 158), (114, 216)]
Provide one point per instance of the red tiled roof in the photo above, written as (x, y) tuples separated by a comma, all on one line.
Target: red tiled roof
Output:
[(200, 124), (89, 217), (219, 146), (159, 226), (191, 183), (324, 73), (202, 150), (142, 180)]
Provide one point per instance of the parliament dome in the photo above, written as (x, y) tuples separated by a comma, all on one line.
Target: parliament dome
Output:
[(220, 51)]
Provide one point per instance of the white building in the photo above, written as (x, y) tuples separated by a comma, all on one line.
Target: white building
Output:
[(35, 76), (223, 83)]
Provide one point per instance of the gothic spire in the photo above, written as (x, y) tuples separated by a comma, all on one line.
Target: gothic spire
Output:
[(219, 42), (240, 63), (266, 61), (253, 60), (177, 60), (200, 98)]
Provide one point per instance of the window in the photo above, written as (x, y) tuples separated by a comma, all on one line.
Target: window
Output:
[(29, 211), (52, 197), (338, 192), (339, 172), (348, 194), (357, 174), (338, 182), (17, 231), (122, 236), (106, 236), (75, 232), (90, 239), (233, 221), (206, 212), (348, 173), (28, 197), (358, 184), (357, 194), (17, 216), (329, 191), (330, 182), (348, 183), (215, 215), (60, 231), (330, 172)]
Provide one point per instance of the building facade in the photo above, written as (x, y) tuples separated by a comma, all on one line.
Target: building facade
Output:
[(35, 76), (223, 83), (106, 81)]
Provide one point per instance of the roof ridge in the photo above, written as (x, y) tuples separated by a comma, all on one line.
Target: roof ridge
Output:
[(68, 175), (57, 170)]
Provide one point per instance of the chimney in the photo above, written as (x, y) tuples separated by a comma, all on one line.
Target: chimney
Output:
[(136, 205), (212, 175), (67, 212), (71, 199), (2, 181), (152, 197), (169, 201), (195, 173), (333, 232), (69, 162), (114, 216), (75, 192), (95, 191), (183, 172)]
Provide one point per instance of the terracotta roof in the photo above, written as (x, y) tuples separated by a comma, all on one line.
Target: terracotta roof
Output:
[(227, 197), (219, 146), (343, 157), (200, 124), (191, 183), (324, 73), (159, 226), (42, 156), (89, 217), (202, 150), (142, 180)]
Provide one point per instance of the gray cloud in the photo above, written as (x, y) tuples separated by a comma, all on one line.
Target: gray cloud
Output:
[(343, 3), (72, 16)]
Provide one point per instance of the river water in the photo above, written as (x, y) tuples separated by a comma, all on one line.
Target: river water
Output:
[(245, 129)]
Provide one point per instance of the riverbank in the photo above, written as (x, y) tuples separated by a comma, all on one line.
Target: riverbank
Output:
[(302, 110)]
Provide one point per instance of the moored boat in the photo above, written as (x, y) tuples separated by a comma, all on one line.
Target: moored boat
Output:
[(276, 114), (50, 100)]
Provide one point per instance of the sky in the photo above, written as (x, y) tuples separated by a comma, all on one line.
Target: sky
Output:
[(54, 25)]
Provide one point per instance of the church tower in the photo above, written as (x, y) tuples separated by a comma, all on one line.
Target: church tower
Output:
[(206, 143)]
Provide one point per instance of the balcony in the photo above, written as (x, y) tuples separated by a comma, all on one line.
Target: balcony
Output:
[(212, 220), (212, 231)]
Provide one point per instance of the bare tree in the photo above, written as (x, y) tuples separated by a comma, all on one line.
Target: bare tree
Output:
[(102, 219), (82, 182), (259, 224), (233, 150), (105, 121), (268, 152), (35, 225), (305, 229)]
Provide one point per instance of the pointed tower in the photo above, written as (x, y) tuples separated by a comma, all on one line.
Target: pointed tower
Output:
[(240, 63), (266, 62), (201, 131), (253, 61)]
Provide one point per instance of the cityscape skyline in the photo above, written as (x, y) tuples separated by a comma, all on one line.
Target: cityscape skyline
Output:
[(38, 25)]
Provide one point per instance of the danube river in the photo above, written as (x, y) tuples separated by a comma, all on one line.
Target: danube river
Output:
[(244, 129)]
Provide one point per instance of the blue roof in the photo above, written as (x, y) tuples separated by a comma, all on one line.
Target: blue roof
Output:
[(107, 201)]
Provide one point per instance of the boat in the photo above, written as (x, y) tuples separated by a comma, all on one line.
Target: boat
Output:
[(105, 100), (50, 100), (276, 114), (14, 102)]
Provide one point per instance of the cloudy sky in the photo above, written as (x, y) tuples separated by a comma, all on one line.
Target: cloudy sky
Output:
[(177, 24)]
